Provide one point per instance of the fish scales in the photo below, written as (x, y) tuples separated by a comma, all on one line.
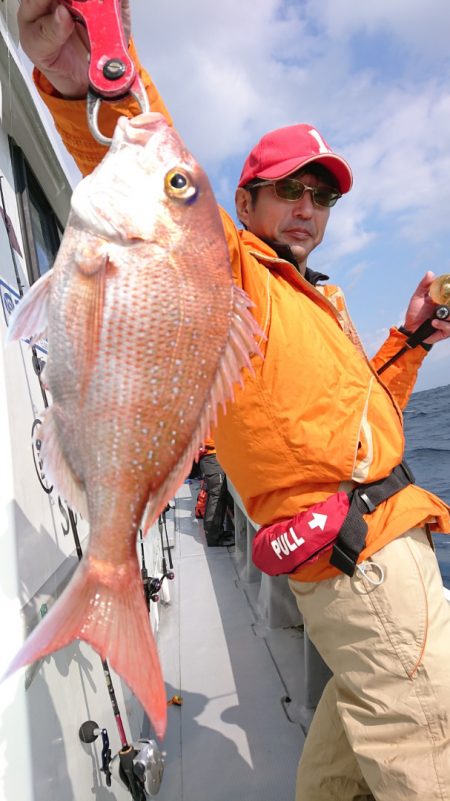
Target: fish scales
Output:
[(146, 335)]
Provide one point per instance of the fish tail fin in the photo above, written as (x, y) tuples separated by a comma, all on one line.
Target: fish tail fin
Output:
[(112, 616)]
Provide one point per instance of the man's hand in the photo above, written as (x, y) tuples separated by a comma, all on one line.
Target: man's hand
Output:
[(421, 308), (57, 45)]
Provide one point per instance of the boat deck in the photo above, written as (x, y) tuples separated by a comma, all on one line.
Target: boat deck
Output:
[(236, 734), (240, 729)]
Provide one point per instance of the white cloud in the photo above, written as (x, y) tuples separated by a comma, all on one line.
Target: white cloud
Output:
[(422, 27), (373, 340), (232, 73), (220, 67), (355, 274)]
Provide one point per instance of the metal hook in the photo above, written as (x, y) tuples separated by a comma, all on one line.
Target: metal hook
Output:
[(364, 568), (94, 102)]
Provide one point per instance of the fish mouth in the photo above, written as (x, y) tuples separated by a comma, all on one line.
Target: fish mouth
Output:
[(148, 120), (136, 130)]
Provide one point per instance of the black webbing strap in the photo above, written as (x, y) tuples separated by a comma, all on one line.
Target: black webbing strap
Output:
[(364, 500)]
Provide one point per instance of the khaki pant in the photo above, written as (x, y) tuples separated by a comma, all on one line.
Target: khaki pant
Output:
[(382, 727)]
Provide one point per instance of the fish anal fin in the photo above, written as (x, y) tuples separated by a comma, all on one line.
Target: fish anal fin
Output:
[(113, 618), (29, 318)]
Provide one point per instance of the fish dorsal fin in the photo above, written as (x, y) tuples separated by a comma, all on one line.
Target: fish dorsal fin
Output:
[(242, 344), (29, 318)]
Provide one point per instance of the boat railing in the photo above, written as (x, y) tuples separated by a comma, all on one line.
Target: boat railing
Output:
[(276, 607)]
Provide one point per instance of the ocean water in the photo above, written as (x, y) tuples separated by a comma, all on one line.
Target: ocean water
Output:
[(427, 430)]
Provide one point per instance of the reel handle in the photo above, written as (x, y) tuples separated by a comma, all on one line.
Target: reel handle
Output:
[(426, 329)]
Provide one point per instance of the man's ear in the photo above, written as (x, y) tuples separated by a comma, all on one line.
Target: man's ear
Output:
[(243, 200)]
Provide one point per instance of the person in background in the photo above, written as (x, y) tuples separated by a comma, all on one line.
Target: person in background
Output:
[(314, 418), (217, 501)]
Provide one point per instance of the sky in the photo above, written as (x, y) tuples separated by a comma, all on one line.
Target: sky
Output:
[(373, 77)]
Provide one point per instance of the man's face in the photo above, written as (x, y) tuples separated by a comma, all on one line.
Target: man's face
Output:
[(300, 224)]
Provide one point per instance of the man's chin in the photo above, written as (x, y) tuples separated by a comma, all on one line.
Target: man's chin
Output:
[(299, 252)]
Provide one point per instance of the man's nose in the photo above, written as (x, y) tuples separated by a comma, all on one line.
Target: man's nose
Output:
[(304, 207)]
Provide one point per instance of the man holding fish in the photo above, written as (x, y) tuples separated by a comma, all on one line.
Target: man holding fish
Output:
[(313, 418)]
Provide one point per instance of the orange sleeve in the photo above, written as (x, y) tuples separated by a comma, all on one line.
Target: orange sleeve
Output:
[(209, 445), (236, 249), (401, 376), (71, 122)]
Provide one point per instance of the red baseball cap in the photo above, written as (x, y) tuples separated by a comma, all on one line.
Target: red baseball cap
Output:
[(285, 150)]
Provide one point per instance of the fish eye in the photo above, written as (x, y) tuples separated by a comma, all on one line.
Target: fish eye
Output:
[(179, 185)]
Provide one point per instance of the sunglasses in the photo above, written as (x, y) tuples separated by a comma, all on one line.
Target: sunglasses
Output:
[(292, 189)]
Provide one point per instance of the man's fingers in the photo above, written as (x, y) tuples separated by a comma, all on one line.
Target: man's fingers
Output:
[(62, 24), (42, 37), (31, 10), (425, 284), (44, 21)]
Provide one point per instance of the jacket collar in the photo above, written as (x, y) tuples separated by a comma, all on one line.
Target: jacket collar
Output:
[(272, 249)]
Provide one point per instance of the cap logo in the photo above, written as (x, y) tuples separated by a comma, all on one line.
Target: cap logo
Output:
[(322, 146)]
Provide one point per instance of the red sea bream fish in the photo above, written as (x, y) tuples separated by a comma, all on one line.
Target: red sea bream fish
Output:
[(146, 336)]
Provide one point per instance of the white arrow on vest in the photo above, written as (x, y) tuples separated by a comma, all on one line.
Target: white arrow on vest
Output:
[(318, 521)]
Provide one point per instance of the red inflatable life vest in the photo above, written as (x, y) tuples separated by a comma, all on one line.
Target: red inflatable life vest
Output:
[(284, 546)]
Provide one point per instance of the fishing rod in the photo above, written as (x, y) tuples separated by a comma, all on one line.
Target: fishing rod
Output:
[(152, 584), (165, 548)]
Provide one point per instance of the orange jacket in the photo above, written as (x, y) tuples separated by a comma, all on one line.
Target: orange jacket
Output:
[(314, 414), (207, 448)]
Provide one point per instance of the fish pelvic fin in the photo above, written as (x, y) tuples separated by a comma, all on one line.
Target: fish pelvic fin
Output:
[(56, 467), (105, 606), (242, 344), (29, 318)]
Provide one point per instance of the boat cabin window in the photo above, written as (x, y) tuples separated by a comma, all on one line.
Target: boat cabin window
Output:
[(41, 229)]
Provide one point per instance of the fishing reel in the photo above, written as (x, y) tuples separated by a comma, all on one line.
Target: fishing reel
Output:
[(138, 767), (439, 293), (153, 584)]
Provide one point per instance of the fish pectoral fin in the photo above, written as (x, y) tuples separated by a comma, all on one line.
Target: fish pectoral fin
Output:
[(93, 256), (112, 616), (93, 297), (56, 467), (29, 318)]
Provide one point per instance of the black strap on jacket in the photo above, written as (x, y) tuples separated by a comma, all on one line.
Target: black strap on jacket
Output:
[(364, 500)]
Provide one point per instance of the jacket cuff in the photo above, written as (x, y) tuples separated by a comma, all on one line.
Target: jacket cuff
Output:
[(408, 333)]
